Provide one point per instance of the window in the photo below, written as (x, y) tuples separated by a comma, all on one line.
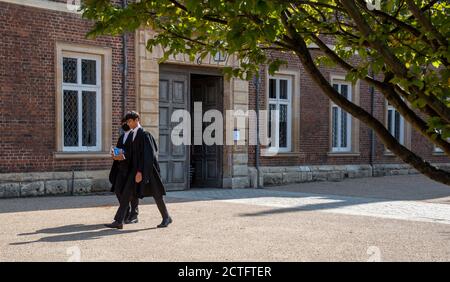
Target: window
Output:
[(81, 103), (341, 130), (83, 87), (280, 96), (395, 124), (436, 149)]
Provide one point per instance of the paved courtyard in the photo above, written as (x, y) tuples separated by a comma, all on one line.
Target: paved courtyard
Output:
[(397, 218)]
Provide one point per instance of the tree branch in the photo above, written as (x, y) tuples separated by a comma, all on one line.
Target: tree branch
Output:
[(426, 24), (205, 17), (391, 143), (391, 96), (398, 68), (404, 25)]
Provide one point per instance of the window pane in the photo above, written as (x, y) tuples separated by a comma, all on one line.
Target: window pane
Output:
[(283, 89), (335, 127), (88, 72), (397, 126), (70, 118), (283, 126), (336, 87), (89, 123), (390, 123), (343, 129), (69, 70), (344, 90), (272, 88), (272, 107)]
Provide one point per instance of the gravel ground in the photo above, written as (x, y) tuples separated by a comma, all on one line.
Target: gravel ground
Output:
[(353, 220)]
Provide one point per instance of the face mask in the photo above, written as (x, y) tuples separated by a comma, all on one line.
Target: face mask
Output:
[(125, 127)]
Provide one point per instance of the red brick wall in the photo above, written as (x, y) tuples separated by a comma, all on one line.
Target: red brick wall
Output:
[(27, 98), (314, 124), (27, 86)]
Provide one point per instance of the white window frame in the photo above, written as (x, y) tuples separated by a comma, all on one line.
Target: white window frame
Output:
[(79, 87), (347, 148), (277, 102), (436, 148), (390, 108)]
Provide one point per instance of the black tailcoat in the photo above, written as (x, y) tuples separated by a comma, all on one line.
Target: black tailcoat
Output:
[(120, 169), (145, 160)]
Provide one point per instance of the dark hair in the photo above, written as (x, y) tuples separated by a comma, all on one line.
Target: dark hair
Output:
[(123, 120), (132, 115)]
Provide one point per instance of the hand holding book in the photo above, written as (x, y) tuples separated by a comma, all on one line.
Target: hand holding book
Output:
[(117, 154)]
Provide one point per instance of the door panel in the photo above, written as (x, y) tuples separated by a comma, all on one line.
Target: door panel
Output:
[(173, 95), (206, 160)]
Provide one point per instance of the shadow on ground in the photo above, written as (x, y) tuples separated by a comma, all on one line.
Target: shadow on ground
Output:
[(317, 196), (76, 232), (333, 195)]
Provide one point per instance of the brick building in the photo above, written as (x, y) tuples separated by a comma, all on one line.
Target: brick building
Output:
[(36, 39), (62, 97)]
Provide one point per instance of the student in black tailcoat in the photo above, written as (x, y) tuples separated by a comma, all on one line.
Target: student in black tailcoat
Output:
[(120, 170), (144, 178)]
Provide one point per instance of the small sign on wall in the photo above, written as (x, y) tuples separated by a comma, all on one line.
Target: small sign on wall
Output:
[(236, 135)]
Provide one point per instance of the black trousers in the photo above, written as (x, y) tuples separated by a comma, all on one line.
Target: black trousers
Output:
[(159, 200), (128, 201), (133, 208)]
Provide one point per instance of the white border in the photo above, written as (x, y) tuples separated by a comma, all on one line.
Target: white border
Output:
[(340, 80), (290, 81), (44, 4), (79, 88)]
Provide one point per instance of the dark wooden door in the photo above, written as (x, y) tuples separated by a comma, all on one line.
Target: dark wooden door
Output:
[(206, 160), (174, 161)]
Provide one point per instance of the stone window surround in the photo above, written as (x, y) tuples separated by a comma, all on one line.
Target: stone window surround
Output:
[(406, 131), (354, 147), (286, 102), (106, 96), (295, 110)]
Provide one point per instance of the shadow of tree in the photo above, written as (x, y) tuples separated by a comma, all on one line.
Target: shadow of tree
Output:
[(308, 207)]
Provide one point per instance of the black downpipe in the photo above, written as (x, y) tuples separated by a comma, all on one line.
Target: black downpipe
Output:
[(258, 184), (124, 65), (372, 110)]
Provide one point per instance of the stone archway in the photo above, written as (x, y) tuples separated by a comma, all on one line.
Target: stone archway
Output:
[(236, 92)]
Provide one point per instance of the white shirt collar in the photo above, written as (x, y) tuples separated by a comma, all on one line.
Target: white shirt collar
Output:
[(135, 130), (126, 133)]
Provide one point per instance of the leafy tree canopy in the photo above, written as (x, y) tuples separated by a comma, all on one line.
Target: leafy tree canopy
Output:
[(403, 48)]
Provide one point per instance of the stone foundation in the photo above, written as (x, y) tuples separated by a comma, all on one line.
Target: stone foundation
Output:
[(13, 185), (53, 183), (270, 176), (400, 169)]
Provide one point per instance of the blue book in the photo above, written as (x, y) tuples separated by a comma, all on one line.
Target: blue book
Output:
[(117, 151)]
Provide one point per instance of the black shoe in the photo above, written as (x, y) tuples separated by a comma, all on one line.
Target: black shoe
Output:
[(131, 221), (115, 225), (165, 222)]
